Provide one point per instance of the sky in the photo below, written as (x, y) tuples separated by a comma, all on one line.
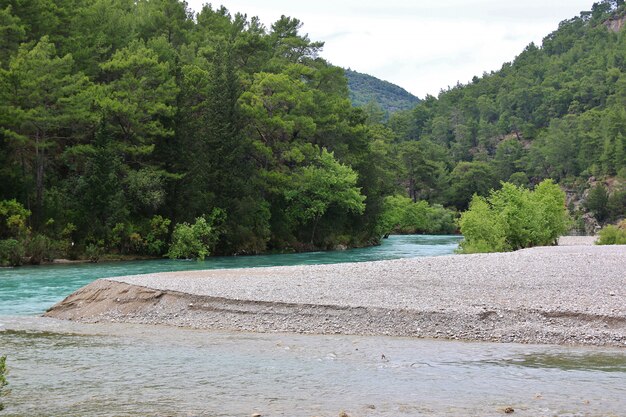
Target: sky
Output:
[(422, 46)]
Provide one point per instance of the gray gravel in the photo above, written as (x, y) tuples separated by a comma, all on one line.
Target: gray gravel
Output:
[(587, 279), (565, 294)]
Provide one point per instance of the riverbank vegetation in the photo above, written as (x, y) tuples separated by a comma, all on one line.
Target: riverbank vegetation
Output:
[(123, 124), (514, 217), (613, 234), (3, 379)]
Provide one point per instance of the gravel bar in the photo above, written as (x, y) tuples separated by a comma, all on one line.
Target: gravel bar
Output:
[(571, 294)]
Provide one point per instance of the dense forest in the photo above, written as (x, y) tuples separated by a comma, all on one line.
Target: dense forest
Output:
[(122, 119), (557, 111), (129, 125), (366, 89)]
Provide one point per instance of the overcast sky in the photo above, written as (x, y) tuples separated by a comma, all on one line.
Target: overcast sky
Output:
[(423, 46)]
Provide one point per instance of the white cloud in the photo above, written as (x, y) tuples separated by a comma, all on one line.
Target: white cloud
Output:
[(423, 46)]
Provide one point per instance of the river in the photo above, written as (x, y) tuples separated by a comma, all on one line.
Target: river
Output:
[(67, 369)]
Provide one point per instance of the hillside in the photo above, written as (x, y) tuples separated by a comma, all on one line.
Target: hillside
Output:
[(365, 88), (557, 111)]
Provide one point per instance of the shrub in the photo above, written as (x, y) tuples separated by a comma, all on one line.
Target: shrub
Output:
[(12, 252), (613, 234), (513, 218), (616, 205), (13, 218), (597, 202), (3, 379), (195, 241), (94, 251), (483, 231), (156, 238), (402, 215), (40, 248)]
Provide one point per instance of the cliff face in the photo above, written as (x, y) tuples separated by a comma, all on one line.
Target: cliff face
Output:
[(615, 24)]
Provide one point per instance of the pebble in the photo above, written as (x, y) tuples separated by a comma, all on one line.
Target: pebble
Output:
[(538, 295)]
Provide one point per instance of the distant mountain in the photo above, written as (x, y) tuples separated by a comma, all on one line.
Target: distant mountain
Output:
[(366, 88)]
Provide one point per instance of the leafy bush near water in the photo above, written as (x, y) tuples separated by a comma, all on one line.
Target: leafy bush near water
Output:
[(196, 241), (402, 215), (513, 218)]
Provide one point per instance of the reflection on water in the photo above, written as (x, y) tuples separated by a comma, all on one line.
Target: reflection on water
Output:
[(62, 368), (574, 362), (31, 290)]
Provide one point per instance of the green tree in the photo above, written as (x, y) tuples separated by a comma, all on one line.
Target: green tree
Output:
[(597, 202), (513, 218), (316, 187), (99, 29), (424, 166), (45, 105), (469, 178), (138, 99), (12, 33), (196, 240)]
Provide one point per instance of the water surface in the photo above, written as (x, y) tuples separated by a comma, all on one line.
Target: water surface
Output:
[(31, 290), (60, 368), (70, 369)]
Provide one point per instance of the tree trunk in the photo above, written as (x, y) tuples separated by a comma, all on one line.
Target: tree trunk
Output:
[(40, 162)]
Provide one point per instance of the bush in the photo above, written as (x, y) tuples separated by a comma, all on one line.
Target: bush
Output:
[(40, 248), (3, 379), (195, 241), (597, 202), (483, 231), (13, 218), (401, 215), (12, 252), (513, 218), (156, 238), (94, 251), (613, 234), (616, 205)]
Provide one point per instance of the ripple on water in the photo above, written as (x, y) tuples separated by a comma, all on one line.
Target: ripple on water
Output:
[(71, 369)]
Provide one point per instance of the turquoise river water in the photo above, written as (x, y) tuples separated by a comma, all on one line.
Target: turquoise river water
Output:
[(59, 368)]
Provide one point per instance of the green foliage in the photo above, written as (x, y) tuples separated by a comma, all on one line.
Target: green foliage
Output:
[(196, 241), (365, 89), (597, 202), (482, 229), (94, 251), (125, 117), (12, 252), (13, 218), (156, 242), (514, 218), (3, 379), (469, 178), (401, 215), (40, 248), (616, 204), (314, 188), (613, 234)]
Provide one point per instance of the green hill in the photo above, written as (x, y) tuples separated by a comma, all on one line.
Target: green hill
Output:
[(366, 88), (557, 111)]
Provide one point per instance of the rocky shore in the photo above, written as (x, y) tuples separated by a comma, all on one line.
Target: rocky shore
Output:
[(559, 295)]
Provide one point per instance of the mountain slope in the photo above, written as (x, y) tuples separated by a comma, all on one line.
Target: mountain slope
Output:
[(365, 88), (557, 111)]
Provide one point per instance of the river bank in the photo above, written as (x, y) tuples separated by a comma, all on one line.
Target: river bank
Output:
[(555, 295)]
